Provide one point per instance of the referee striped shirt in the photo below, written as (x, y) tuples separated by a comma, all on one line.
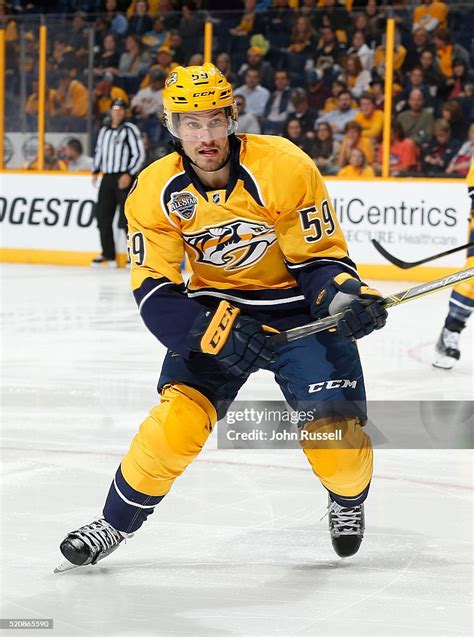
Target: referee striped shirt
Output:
[(119, 150)]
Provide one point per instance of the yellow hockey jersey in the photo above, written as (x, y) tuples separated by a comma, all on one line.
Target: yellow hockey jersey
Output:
[(267, 243)]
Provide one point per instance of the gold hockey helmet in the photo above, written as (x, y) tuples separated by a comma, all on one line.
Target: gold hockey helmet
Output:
[(194, 89)]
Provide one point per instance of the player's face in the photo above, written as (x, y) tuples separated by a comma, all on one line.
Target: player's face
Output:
[(204, 138)]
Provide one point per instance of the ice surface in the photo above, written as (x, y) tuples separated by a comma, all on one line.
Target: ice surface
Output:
[(238, 547)]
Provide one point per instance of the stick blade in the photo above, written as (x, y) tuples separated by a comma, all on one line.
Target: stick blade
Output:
[(381, 250)]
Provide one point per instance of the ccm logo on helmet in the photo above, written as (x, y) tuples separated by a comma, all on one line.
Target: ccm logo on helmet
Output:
[(332, 384), (204, 93)]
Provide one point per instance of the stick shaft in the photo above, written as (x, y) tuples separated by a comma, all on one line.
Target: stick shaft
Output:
[(391, 300), (406, 265)]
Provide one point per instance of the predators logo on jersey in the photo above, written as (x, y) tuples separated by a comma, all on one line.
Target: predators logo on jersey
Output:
[(247, 242), (233, 245)]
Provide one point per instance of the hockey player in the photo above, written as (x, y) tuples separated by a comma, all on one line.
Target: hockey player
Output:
[(461, 302), (255, 220)]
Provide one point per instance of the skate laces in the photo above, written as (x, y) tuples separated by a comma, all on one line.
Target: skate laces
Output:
[(100, 536), (450, 339), (343, 520)]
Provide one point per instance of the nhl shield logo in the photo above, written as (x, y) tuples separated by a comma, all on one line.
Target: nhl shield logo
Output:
[(183, 203)]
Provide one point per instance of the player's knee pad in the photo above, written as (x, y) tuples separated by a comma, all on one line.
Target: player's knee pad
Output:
[(168, 440), (341, 456)]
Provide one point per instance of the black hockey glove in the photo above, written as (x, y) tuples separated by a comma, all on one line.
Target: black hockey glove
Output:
[(238, 342), (363, 312)]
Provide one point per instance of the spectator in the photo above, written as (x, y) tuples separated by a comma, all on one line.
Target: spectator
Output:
[(51, 160), (399, 54), (363, 52), (357, 167), (325, 150), (331, 103), (446, 51), (77, 37), (437, 154), (147, 106), (108, 58), (303, 37), (118, 22), (224, 65), (452, 113), (431, 74), (180, 55), (461, 76), (105, 93), (403, 153), (317, 89), (164, 61), (369, 117), (429, 15), (417, 122), (330, 47), (356, 79), (415, 80), (158, 36), (335, 17), (190, 25), (306, 115), (154, 7), (63, 57), (256, 96), (377, 90), (256, 62), (353, 139), (73, 154), (340, 116), (31, 106), (420, 42), (250, 22), (196, 59), (135, 61), (295, 133), (140, 22), (248, 123), (461, 162), (71, 100), (279, 106)]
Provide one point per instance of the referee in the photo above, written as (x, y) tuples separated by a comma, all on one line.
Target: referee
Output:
[(119, 155)]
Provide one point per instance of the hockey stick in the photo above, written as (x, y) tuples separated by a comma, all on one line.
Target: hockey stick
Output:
[(391, 300), (405, 265)]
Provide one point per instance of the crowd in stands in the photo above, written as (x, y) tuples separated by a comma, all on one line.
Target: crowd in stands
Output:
[(310, 70)]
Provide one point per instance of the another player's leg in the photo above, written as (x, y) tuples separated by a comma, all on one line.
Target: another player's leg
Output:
[(167, 442), (461, 306), (105, 212), (326, 376)]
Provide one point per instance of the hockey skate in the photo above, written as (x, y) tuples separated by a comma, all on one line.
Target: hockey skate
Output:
[(447, 349), (346, 526), (89, 544)]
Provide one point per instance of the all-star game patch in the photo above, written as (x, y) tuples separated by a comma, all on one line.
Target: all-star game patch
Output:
[(183, 203)]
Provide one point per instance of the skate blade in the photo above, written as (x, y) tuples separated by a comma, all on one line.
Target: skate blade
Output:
[(64, 566), (444, 362)]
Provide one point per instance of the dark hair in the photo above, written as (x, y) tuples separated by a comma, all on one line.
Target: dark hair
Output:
[(443, 34), (398, 130), (367, 96), (75, 145), (454, 110), (287, 125), (345, 91), (353, 125)]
